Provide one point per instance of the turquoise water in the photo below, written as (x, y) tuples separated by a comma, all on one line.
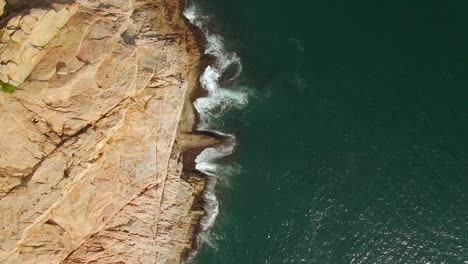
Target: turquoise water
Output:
[(352, 148)]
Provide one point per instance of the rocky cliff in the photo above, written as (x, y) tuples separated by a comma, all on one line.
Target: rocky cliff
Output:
[(96, 142)]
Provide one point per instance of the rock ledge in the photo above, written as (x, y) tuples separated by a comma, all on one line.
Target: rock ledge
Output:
[(96, 145)]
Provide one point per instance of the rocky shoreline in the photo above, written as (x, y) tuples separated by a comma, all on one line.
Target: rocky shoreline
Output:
[(97, 145)]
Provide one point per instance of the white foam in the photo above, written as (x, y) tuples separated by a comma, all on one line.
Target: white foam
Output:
[(190, 13), (218, 101), (206, 162)]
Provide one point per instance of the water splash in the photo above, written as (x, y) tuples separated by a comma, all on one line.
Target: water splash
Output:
[(219, 99)]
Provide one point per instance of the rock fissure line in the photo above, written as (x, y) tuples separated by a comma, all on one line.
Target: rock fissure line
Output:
[(104, 99)]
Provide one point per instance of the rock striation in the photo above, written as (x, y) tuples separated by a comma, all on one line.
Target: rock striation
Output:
[(2, 6), (96, 143)]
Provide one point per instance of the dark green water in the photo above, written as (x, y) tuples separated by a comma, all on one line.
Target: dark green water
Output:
[(353, 147)]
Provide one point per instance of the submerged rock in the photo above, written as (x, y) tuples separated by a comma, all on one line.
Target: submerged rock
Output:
[(93, 139)]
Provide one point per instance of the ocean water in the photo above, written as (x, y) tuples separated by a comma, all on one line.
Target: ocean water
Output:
[(349, 128)]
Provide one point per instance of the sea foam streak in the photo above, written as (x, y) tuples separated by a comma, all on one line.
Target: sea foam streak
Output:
[(218, 100)]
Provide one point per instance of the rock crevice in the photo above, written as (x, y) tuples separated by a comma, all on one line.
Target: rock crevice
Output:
[(93, 140)]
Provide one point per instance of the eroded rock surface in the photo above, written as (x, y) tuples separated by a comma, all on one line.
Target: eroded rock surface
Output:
[(91, 142), (2, 6)]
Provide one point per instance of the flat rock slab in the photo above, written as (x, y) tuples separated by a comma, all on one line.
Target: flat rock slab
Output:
[(90, 159)]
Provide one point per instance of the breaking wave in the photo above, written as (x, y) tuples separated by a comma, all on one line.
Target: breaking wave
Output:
[(227, 67), (221, 97)]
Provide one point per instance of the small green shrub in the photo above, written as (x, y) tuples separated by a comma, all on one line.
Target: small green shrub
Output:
[(7, 88)]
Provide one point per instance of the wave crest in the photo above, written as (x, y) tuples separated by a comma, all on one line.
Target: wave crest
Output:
[(219, 99)]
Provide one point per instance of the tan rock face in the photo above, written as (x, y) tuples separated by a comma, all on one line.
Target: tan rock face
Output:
[(24, 38), (91, 164), (2, 6)]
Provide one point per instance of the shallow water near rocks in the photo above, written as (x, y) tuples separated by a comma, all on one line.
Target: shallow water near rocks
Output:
[(352, 148)]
